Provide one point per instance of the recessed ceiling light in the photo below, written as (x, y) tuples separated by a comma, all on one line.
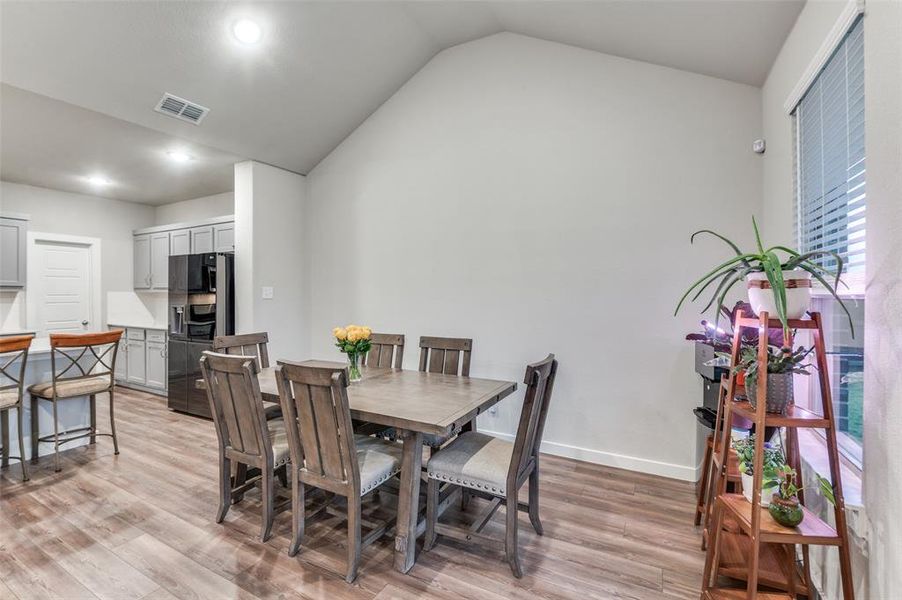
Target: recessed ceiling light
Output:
[(97, 180), (247, 32), (179, 156)]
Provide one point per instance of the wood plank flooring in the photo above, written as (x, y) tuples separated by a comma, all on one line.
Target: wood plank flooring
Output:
[(140, 526)]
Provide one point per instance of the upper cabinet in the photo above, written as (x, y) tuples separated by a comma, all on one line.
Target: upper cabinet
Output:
[(13, 231), (201, 239), (224, 237), (154, 246), (180, 242)]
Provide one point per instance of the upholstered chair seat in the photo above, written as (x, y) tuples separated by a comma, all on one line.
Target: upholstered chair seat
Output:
[(379, 461), (71, 388), (9, 398), (278, 438), (474, 460)]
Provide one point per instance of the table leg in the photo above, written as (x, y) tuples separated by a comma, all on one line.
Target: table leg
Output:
[(408, 501)]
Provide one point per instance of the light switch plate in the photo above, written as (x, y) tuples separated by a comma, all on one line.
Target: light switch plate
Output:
[(267, 292)]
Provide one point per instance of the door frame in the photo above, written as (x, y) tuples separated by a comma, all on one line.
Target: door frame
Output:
[(95, 289)]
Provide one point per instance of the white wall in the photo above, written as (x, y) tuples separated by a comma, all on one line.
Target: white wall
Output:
[(269, 251), (539, 198), (883, 325), (810, 31), (53, 211), (196, 209)]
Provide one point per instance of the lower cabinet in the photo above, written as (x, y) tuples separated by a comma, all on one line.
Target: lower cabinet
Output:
[(142, 359)]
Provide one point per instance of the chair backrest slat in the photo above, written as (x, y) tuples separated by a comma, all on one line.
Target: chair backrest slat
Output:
[(387, 350), (14, 349), (318, 423), (539, 380), (237, 406), (245, 344), (445, 355)]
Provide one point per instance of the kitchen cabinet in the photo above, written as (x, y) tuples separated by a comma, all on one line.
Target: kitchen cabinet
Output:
[(13, 232), (224, 237), (142, 359), (156, 364), (180, 242), (142, 262), (159, 261), (121, 372), (201, 239)]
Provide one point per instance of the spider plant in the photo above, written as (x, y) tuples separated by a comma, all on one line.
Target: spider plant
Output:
[(729, 273)]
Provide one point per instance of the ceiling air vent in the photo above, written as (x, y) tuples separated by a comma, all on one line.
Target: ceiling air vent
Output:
[(181, 109)]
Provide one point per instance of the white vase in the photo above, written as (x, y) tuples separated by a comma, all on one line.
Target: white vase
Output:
[(747, 482), (798, 293)]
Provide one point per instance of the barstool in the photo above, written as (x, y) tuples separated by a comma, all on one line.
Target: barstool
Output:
[(13, 349), (82, 364)]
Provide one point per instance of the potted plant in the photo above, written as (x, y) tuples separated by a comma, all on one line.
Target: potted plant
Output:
[(771, 461), (782, 363), (779, 286), (784, 506), (353, 340)]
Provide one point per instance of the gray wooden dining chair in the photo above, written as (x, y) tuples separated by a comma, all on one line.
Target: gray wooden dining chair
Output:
[(13, 358), (245, 344), (495, 469), (445, 355), (244, 434), (327, 455), (81, 364), (387, 350)]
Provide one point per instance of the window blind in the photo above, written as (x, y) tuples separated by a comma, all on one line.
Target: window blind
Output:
[(831, 158)]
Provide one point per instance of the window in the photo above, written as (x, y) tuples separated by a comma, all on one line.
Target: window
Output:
[(831, 162), (830, 215)]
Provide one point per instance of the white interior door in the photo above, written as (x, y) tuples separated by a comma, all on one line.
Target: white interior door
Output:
[(62, 287)]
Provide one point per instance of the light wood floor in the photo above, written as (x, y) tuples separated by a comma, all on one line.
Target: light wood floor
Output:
[(140, 525)]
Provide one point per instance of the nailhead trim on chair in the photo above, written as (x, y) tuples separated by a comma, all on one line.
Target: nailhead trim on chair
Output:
[(380, 481), (467, 482)]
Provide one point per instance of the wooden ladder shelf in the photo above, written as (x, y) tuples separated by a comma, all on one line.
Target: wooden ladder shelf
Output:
[(744, 541)]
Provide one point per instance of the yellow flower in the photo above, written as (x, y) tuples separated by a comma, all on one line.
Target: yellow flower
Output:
[(367, 332), (340, 333), (353, 335)]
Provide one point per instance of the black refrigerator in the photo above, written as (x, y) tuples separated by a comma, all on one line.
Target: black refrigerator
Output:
[(201, 306)]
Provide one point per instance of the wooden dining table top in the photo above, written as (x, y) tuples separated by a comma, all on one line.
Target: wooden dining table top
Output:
[(433, 403)]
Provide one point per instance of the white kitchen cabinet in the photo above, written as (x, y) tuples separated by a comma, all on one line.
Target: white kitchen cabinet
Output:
[(137, 369), (121, 372), (159, 261), (201, 239), (224, 237), (142, 262), (179, 242), (13, 234), (156, 363)]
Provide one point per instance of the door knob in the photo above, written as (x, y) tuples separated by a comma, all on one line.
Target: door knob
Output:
[(84, 323)]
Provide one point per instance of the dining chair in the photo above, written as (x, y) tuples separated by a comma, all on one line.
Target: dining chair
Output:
[(13, 358), (327, 455), (495, 469), (246, 344), (81, 364), (445, 355), (243, 433), (387, 350)]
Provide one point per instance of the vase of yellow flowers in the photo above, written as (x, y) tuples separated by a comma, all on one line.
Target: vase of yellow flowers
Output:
[(353, 340)]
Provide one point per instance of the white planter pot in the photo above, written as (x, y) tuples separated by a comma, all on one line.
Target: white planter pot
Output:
[(798, 294), (747, 482)]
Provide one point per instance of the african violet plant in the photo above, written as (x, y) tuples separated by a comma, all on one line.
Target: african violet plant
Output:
[(767, 260)]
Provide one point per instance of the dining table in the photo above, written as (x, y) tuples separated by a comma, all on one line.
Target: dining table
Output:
[(414, 403)]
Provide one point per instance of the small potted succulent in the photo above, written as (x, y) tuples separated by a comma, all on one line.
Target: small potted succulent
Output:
[(771, 462), (784, 506), (782, 363)]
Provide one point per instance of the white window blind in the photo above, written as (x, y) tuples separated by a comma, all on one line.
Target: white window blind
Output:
[(830, 158)]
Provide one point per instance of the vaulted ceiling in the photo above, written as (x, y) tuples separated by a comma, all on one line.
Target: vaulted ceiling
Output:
[(323, 67)]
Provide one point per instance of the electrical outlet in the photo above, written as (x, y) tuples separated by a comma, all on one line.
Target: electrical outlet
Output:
[(267, 292)]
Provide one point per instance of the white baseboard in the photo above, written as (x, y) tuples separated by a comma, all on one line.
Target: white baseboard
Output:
[(611, 459)]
